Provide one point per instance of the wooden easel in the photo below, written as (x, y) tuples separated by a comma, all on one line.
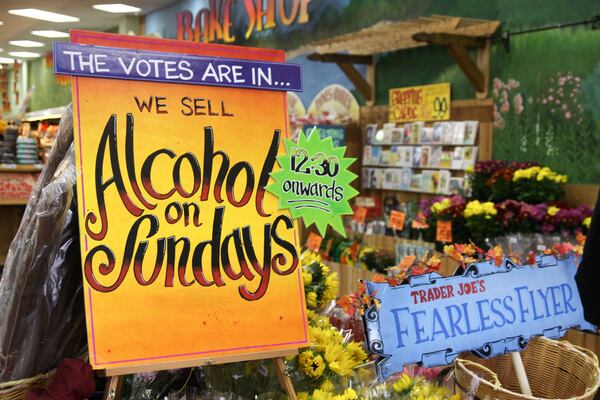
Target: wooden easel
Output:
[(114, 384)]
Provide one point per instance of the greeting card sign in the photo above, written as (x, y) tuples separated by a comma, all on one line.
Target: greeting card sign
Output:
[(420, 103), (185, 256), (491, 310)]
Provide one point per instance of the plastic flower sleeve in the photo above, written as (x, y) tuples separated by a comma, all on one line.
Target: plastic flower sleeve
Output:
[(41, 304)]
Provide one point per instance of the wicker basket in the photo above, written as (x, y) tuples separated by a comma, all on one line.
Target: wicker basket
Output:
[(556, 370), (17, 390)]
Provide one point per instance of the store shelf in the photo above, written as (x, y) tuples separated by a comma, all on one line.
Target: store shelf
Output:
[(421, 144), (13, 202), (49, 113), (20, 168), (412, 191)]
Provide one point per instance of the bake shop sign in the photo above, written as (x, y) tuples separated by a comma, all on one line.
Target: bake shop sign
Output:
[(214, 23), (490, 310)]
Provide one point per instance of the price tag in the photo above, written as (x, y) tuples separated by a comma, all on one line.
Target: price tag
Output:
[(419, 222), (360, 215), (444, 231), (406, 262), (396, 220), (313, 242)]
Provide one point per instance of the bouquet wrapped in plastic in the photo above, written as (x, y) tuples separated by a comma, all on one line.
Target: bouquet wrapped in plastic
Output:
[(42, 316)]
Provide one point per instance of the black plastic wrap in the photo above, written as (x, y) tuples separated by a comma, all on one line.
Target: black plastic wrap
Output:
[(42, 316)]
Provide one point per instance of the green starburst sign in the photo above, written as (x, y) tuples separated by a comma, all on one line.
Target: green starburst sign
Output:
[(314, 181)]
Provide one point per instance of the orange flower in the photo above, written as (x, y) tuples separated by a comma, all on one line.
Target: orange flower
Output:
[(434, 263), (531, 258), (361, 288), (394, 281), (419, 269), (453, 252), (496, 254), (347, 305)]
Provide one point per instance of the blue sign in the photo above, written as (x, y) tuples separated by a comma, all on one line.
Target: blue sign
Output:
[(337, 133), (108, 62), (490, 310)]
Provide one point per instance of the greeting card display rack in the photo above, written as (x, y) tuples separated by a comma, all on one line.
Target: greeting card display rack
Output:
[(461, 110)]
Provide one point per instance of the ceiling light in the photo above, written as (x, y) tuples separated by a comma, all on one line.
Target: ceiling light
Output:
[(1, 23), (24, 54), (6, 60), (43, 15), (117, 8), (50, 34), (26, 43)]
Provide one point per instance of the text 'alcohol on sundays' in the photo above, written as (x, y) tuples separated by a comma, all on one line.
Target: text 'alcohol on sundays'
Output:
[(181, 258)]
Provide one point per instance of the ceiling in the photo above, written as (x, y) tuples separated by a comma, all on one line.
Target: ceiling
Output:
[(19, 28)]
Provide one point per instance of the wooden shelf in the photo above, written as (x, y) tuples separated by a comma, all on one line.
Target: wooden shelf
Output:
[(421, 144), (411, 167), (13, 202), (20, 168), (412, 191)]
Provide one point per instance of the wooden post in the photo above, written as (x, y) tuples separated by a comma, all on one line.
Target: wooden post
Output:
[(371, 80), (521, 374), (477, 72), (483, 62), (284, 378), (114, 384), (462, 58), (362, 85)]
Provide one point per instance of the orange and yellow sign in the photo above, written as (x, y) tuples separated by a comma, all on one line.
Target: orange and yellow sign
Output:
[(314, 241), (396, 220), (420, 103), (443, 232), (185, 255)]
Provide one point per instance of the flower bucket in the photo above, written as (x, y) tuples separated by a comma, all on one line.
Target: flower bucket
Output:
[(556, 370)]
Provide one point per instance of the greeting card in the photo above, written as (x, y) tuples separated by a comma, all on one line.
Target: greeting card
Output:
[(471, 128)]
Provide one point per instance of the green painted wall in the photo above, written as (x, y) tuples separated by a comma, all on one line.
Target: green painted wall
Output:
[(47, 92), (546, 88)]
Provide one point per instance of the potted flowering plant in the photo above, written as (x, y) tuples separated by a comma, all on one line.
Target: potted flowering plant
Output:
[(480, 221), (517, 216), (480, 180), (566, 220), (538, 185), (444, 209)]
